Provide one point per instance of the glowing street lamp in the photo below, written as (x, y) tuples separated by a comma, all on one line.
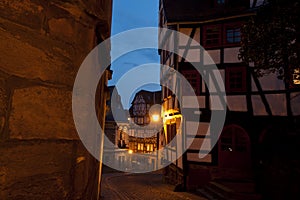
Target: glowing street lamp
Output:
[(155, 117)]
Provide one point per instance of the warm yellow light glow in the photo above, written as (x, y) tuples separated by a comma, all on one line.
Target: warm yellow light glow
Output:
[(171, 114), (130, 151), (296, 76), (155, 118)]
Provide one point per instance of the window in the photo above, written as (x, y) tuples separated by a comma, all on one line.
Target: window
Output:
[(296, 76), (212, 35), (140, 120), (139, 107), (194, 79), (236, 79), (140, 147), (228, 34), (149, 147), (232, 33)]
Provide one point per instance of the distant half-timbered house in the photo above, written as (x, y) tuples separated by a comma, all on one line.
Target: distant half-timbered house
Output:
[(141, 115)]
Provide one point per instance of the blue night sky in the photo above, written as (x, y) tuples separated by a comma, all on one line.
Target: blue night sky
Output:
[(131, 14)]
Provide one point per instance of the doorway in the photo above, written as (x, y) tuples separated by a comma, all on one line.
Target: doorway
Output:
[(234, 148)]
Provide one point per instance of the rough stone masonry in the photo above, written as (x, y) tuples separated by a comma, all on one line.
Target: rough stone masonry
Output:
[(43, 43)]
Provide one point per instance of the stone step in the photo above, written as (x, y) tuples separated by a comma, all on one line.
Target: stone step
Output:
[(220, 191), (210, 194), (214, 192)]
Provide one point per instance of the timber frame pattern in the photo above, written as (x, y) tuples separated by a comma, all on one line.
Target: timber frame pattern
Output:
[(254, 105)]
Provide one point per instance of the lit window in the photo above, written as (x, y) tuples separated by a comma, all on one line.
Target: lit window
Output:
[(140, 120), (236, 79), (146, 120), (296, 76)]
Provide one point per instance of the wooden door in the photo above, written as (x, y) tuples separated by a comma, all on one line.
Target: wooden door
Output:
[(234, 148)]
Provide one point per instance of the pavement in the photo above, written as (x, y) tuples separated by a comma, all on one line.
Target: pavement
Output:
[(125, 186)]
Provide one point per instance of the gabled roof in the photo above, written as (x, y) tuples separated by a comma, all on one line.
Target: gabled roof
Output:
[(149, 96)]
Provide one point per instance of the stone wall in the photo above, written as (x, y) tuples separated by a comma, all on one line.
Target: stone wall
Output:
[(43, 44)]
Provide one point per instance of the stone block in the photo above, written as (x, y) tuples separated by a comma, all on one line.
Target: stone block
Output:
[(42, 113), (36, 170), (73, 32), (23, 12), (46, 169), (3, 104), (3, 97), (62, 27), (21, 59)]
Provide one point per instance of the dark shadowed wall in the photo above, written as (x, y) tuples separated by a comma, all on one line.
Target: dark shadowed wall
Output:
[(42, 45)]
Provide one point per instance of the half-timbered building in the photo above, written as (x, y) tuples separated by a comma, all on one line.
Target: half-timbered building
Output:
[(141, 115), (255, 106)]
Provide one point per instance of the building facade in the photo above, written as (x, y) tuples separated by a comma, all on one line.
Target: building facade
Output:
[(254, 106), (43, 44), (141, 115), (131, 130), (116, 122)]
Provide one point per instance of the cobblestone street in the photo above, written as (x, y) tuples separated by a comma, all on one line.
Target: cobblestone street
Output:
[(122, 186)]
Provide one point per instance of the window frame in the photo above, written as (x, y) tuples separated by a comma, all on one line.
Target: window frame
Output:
[(232, 26), (228, 79), (198, 79), (205, 35), (222, 34)]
